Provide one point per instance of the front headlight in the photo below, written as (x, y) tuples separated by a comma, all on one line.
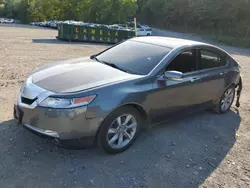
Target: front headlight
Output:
[(52, 102)]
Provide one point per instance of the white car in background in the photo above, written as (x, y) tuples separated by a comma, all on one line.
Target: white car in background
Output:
[(144, 31), (6, 20), (116, 27)]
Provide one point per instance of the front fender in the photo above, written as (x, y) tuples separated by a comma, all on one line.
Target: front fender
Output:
[(113, 97)]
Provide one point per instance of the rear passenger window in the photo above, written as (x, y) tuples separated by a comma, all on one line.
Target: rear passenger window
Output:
[(211, 59), (232, 61)]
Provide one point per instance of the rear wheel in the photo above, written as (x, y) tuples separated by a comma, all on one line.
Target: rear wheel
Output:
[(226, 101), (119, 130)]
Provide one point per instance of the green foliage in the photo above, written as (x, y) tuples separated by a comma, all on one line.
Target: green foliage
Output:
[(226, 17), (101, 11), (215, 17), (233, 41)]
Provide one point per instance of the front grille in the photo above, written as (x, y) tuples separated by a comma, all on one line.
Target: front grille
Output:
[(27, 101)]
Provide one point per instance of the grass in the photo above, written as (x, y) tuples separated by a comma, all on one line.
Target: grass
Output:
[(233, 41), (239, 41)]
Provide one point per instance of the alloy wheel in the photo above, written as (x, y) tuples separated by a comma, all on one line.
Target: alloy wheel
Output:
[(227, 99), (122, 131)]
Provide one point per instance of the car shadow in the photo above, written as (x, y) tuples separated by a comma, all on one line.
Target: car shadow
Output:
[(57, 41), (181, 153)]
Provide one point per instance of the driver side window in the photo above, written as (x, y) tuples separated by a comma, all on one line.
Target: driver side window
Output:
[(184, 62)]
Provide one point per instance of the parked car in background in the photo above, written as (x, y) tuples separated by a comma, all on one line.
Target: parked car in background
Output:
[(6, 20), (109, 97), (116, 27), (144, 31), (54, 24)]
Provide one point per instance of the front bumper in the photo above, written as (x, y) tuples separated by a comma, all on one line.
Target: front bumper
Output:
[(58, 123), (64, 124)]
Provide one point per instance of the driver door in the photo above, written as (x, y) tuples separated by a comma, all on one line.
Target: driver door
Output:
[(172, 97)]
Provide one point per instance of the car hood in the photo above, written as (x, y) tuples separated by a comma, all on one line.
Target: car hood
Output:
[(77, 75)]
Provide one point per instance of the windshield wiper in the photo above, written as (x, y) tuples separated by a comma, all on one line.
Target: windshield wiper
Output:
[(109, 64), (114, 66)]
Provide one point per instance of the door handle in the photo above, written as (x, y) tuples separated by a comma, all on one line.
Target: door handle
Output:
[(194, 79), (223, 73)]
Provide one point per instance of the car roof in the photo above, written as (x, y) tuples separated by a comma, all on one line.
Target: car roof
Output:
[(168, 42)]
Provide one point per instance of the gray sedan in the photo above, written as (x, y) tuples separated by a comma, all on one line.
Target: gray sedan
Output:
[(110, 97)]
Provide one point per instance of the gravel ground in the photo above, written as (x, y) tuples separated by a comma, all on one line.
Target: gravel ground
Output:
[(203, 150)]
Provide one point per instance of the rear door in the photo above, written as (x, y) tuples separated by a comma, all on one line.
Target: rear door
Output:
[(213, 68)]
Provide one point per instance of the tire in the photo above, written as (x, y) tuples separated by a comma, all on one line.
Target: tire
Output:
[(219, 106), (110, 132)]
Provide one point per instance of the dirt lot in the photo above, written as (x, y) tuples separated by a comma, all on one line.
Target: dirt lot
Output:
[(205, 150)]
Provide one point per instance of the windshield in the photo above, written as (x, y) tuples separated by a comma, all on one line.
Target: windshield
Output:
[(135, 57)]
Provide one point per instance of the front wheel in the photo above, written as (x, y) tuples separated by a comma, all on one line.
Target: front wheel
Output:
[(119, 130), (226, 101)]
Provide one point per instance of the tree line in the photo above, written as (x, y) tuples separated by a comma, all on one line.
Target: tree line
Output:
[(225, 17), (220, 17), (99, 11)]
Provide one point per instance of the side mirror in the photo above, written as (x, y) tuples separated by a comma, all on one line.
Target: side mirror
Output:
[(92, 56), (173, 75)]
